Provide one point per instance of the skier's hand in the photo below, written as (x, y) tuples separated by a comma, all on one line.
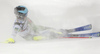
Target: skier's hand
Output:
[(10, 40)]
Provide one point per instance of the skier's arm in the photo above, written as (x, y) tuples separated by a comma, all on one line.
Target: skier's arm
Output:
[(31, 25), (12, 38), (16, 29)]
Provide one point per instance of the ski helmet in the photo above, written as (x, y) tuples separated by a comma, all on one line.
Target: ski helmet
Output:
[(21, 11)]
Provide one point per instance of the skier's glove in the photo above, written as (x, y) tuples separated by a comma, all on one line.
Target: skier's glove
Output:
[(10, 40)]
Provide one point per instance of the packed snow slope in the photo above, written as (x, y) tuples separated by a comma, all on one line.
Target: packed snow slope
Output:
[(65, 14)]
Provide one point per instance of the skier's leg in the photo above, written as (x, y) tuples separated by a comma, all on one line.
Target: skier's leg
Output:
[(50, 34), (28, 37)]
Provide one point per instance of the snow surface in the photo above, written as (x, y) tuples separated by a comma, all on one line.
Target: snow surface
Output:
[(58, 14)]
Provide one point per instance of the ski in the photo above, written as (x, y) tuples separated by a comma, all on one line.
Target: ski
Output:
[(86, 35), (75, 37), (94, 34), (82, 28)]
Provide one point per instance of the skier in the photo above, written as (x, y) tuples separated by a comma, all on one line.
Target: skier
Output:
[(24, 27)]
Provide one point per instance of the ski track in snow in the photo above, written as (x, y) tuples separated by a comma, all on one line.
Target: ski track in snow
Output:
[(62, 46)]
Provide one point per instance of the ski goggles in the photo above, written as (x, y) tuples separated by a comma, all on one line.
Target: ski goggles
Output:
[(21, 19)]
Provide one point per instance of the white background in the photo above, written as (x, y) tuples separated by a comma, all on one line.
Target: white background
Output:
[(58, 14)]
